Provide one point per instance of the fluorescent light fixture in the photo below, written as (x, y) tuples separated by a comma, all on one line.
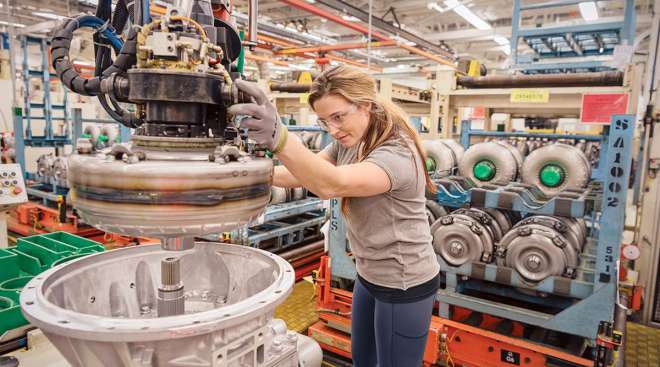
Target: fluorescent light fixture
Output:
[(500, 40), (349, 18), (48, 15), (589, 10), (17, 25), (467, 14)]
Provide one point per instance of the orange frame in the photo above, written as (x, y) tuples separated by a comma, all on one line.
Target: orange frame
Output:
[(448, 343)]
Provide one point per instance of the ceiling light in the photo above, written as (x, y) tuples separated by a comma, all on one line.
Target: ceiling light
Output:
[(467, 14), (48, 15), (349, 18), (589, 10)]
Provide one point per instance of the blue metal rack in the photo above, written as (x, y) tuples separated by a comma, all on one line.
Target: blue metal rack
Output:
[(568, 42), (48, 139), (288, 224), (593, 290), (4, 37), (584, 300)]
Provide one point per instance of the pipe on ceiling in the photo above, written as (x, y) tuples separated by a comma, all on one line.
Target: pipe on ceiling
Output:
[(283, 43), (300, 4), (254, 57), (291, 87), (363, 15), (601, 79), (336, 47)]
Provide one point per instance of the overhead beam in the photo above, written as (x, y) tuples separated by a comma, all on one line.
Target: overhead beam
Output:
[(336, 47), (386, 26), (254, 57), (329, 56), (300, 4), (274, 40), (332, 17), (428, 55), (344, 60)]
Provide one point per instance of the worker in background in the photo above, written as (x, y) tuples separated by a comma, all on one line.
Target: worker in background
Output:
[(376, 165)]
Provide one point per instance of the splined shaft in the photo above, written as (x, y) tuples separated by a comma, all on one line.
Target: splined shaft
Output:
[(171, 300)]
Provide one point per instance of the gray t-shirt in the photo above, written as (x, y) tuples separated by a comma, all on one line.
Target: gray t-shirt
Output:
[(389, 233)]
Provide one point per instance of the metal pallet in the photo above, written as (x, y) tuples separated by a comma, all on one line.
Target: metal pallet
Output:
[(48, 139)]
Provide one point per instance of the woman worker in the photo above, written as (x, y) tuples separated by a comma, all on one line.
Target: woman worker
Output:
[(376, 165)]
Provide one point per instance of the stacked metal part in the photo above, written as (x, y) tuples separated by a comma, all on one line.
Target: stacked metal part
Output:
[(52, 170), (442, 156), (491, 162), (468, 235), (536, 247), (101, 136), (556, 167), (542, 246)]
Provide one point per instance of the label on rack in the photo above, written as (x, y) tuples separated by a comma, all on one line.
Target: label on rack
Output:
[(530, 96), (599, 108), (304, 98), (509, 357)]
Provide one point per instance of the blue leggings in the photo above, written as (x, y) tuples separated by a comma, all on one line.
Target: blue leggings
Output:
[(388, 334)]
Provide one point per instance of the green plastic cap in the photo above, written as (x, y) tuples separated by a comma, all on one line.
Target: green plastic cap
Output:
[(103, 138), (430, 164), (484, 170), (552, 175)]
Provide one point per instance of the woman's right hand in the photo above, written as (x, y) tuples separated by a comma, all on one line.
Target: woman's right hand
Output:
[(262, 121)]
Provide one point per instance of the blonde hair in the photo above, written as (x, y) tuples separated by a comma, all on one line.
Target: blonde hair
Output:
[(387, 120)]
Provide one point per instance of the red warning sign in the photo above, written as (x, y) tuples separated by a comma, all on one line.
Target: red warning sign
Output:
[(599, 108)]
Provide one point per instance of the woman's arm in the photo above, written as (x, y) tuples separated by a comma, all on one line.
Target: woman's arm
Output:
[(325, 179), (311, 171), (283, 178)]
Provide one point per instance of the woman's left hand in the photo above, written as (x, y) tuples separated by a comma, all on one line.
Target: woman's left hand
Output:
[(263, 122)]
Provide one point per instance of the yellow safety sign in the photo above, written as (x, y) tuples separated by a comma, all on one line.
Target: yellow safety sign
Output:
[(530, 96)]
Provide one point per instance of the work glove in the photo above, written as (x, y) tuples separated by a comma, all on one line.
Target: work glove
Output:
[(262, 121)]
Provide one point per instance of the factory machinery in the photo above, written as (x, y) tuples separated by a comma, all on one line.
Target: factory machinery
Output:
[(187, 172), (527, 231)]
